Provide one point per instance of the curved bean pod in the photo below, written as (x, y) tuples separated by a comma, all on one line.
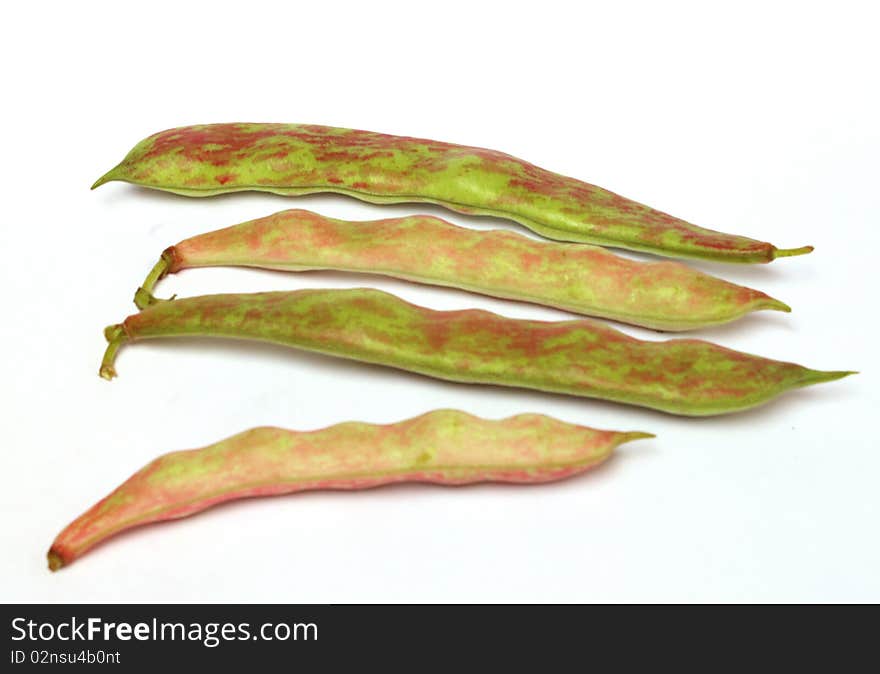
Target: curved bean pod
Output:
[(582, 279), (444, 447), (295, 159), (581, 357)]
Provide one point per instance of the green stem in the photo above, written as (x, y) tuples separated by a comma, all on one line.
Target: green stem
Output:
[(157, 273), (116, 337), (790, 252), (144, 295), (143, 298)]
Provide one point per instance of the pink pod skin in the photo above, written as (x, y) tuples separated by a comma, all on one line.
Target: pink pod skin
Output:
[(445, 447), (580, 278)]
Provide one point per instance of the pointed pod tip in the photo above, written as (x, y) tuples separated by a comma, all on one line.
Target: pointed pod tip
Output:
[(636, 435), (106, 178), (772, 304), (791, 252), (821, 377)]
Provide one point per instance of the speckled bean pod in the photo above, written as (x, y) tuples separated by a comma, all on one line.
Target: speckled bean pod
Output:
[(443, 447), (295, 159), (579, 357), (583, 279)]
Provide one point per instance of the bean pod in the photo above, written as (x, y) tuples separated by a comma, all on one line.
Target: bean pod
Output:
[(444, 447), (580, 357), (295, 159), (579, 278)]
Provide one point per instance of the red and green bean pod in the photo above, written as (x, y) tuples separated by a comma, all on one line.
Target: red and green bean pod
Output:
[(444, 447), (295, 159), (579, 357), (579, 278)]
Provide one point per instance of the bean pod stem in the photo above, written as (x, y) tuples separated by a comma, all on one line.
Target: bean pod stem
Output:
[(580, 278), (297, 159), (579, 357), (444, 447)]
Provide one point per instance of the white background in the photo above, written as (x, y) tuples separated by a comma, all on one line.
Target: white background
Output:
[(760, 120)]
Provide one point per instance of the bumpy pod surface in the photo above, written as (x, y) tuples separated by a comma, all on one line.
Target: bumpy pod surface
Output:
[(295, 159), (444, 447), (580, 357), (583, 279)]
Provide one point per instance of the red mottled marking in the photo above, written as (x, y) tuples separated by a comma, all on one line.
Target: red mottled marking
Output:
[(531, 260), (224, 142)]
